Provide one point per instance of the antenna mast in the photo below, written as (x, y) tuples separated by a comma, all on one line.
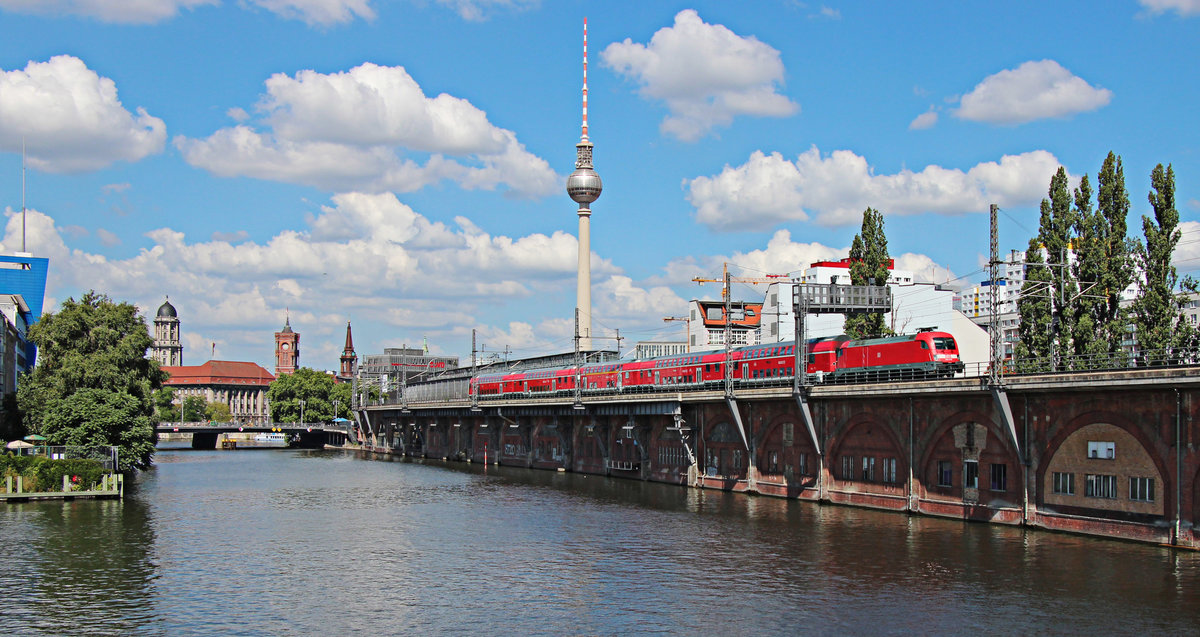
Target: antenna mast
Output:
[(22, 193)]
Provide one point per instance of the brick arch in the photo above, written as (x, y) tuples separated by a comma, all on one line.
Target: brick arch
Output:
[(842, 432), (772, 440), (932, 441), (841, 443), (1063, 432)]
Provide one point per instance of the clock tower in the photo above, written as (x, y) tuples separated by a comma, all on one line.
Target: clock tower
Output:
[(287, 349)]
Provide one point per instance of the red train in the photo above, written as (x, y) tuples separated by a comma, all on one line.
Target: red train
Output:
[(926, 354)]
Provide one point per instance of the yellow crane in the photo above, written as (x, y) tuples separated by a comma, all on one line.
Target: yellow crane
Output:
[(726, 280)]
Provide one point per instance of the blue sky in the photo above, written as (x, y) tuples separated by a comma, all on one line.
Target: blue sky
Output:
[(401, 164)]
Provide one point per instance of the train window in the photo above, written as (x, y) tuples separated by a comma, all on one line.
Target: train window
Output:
[(944, 343), (924, 345)]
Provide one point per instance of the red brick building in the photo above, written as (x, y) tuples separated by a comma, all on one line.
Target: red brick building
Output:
[(241, 385)]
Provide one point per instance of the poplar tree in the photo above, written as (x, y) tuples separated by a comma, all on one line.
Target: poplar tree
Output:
[(1089, 249), (1117, 264), (1057, 223), (1035, 342), (1161, 324), (868, 266)]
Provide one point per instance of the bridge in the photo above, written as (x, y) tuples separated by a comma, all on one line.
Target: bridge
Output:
[(1108, 451), (306, 435)]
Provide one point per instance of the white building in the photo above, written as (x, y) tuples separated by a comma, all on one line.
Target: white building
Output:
[(654, 349), (914, 306)]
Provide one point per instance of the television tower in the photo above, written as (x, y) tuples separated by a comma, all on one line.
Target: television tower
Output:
[(584, 187)]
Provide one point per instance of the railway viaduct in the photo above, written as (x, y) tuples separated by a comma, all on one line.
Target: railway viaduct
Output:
[(1105, 453)]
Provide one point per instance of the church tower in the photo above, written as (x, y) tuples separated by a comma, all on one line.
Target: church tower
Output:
[(287, 349), (167, 349), (349, 358)]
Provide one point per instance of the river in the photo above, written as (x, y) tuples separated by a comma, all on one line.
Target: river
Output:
[(282, 542)]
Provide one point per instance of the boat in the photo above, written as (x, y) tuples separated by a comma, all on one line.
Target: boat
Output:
[(272, 439)]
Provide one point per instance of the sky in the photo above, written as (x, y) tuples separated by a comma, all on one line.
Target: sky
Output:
[(401, 164)]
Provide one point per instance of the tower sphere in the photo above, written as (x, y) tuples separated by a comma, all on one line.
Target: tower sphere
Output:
[(584, 186)]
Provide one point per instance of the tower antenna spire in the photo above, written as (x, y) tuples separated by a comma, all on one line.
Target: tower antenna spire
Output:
[(584, 136), (23, 185), (584, 187)]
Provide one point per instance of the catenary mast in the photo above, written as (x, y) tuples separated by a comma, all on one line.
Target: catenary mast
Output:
[(584, 187)]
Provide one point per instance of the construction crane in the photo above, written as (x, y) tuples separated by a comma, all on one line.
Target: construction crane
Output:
[(725, 280), (687, 329)]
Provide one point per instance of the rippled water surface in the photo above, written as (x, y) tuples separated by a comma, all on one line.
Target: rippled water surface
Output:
[(298, 542)]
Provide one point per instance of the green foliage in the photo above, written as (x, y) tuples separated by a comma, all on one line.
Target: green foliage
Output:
[(164, 408), (1118, 269), (1158, 312), (868, 266), (93, 384), (318, 391), (1035, 340), (195, 409), (218, 412), (40, 473)]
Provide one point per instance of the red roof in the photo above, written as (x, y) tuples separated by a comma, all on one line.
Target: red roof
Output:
[(219, 373), (845, 263)]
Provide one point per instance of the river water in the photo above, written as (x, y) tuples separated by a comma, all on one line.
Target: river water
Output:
[(282, 542)]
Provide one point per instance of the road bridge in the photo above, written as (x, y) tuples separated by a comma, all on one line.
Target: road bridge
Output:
[(1107, 452), (307, 435)]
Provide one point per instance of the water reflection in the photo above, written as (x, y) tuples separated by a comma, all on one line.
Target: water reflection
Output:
[(298, 542)]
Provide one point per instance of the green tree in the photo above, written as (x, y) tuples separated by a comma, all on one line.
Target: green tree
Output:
[(1117, 271), (868, 266), (1158, 311), (316, 389), (194, 409), (164, 407), (218, 412), (1035, 341), (1088, 268), (93, 384), (1057, 223)]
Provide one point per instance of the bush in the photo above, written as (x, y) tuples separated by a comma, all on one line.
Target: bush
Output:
[(40, 473)]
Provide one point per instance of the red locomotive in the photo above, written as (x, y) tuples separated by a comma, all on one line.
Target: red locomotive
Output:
[(926, 354)]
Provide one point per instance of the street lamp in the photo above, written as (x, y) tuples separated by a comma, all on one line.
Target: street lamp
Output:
[(301, 412), (336, 402)]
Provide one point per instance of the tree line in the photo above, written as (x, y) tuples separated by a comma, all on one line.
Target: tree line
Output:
[(1081, 261), (93, 385)]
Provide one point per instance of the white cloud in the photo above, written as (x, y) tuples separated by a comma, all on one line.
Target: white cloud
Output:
[(1185, 8), (1032, 91), (312, 12), (347, 132), (836, 188), (108, 238), (477, 10), (706, 74), (71, 119), (319, 12), (119, 11), (925, 120), (369, 251)]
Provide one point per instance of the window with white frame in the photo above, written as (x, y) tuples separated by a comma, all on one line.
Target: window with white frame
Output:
[(847, 467), (1141, 489), (889, 470), (1064, 483), (1101, 450), (1101, 486), (868, 472)]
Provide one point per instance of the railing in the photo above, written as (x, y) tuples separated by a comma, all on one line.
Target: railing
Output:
[(1166, 358), (106, 456)]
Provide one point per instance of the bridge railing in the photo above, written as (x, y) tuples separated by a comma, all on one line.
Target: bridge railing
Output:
[(1104, 361)]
